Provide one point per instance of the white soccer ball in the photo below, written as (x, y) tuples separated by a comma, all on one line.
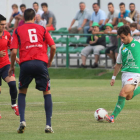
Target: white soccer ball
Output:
[(100, 114)]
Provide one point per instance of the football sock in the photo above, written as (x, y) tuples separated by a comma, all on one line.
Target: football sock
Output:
[(48, 108), (13, 91), (119, 106), (136, 92), (21, 106)]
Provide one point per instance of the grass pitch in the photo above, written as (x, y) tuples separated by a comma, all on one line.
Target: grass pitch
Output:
[(74, 103)]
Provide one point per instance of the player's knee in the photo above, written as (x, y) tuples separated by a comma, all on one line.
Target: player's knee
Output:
[(12, 85)]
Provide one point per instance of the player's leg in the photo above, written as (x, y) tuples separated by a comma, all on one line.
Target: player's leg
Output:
[(25, 79), (0, 93), (22, 105), (43, 84), (48, 110), (12, 87), (126, 91)]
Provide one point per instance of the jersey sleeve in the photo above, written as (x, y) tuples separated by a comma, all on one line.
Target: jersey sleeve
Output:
[(49, 39), (14, 40), (119, 57)]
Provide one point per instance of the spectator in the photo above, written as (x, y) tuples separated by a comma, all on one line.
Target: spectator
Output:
[(37, 10), (112, 51), (39, 21), (98, 16), (134, 31), (123, 12), (112, 15), (49, 17), (19, 17), (83, 16), (96, 44), (134, 14), (14, 14), (22, 8), (128, 21)]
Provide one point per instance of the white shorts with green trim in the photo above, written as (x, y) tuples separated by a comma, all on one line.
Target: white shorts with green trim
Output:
[(129, 78)]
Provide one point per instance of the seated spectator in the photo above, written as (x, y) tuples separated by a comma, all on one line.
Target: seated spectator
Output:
[(14, 14), (112, 15), (96, 44), (98, 16), (49, 17), (134, 14), (112, 51), (37, 10), (83, 17), (19, 17), (39, 21), (128, 21), (123, 12), (134, 31)]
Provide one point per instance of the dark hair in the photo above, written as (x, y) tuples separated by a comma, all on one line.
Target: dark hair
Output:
[(122, 4), (133, 25), (29, 14), (132, 4), (15, 5), (35, 3), (2, 18), (44, 4), (22, 5), (95, 4), (81, 3), (124, 30), (110, 3)]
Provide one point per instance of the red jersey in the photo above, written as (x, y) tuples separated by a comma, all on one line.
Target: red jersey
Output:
[(32, 40), (5, 41)]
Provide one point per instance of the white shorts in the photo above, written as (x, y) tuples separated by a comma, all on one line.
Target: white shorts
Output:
[(130, 78)]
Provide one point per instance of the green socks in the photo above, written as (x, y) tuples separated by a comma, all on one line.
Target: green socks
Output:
[(136, 92), (119, 106), (121, 102)]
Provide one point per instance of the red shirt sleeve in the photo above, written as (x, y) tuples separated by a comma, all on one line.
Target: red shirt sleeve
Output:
[(14, 40), (9, 41), (49, 39)]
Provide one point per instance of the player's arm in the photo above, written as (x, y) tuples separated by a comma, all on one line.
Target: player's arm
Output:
[(51, 43), (52, 53), (13, 48)]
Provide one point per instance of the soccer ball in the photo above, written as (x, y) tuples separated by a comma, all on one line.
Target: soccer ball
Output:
[(100, 114)]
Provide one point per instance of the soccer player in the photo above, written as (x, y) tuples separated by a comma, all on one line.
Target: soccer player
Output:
[(32, 40), (128, 61), (5, 41)]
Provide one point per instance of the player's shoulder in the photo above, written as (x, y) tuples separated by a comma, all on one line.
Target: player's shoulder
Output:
[(7, 33), (136, 41)]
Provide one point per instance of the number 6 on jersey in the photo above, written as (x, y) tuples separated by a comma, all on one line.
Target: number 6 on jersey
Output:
[(33, 35)]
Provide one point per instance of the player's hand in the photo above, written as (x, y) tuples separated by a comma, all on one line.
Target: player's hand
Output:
[(11, 71), (2, 53), (49, 64), (112, 82), (17, 60)]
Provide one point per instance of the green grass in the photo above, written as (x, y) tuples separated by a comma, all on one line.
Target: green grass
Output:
[(80, 73), (74, 103)]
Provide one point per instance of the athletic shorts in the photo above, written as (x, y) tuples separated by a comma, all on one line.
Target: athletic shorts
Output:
[(34, 69), (130, 78), (4, 72)]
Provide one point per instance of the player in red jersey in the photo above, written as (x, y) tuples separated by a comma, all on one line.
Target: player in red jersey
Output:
[(5, 41), (32, 41)]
